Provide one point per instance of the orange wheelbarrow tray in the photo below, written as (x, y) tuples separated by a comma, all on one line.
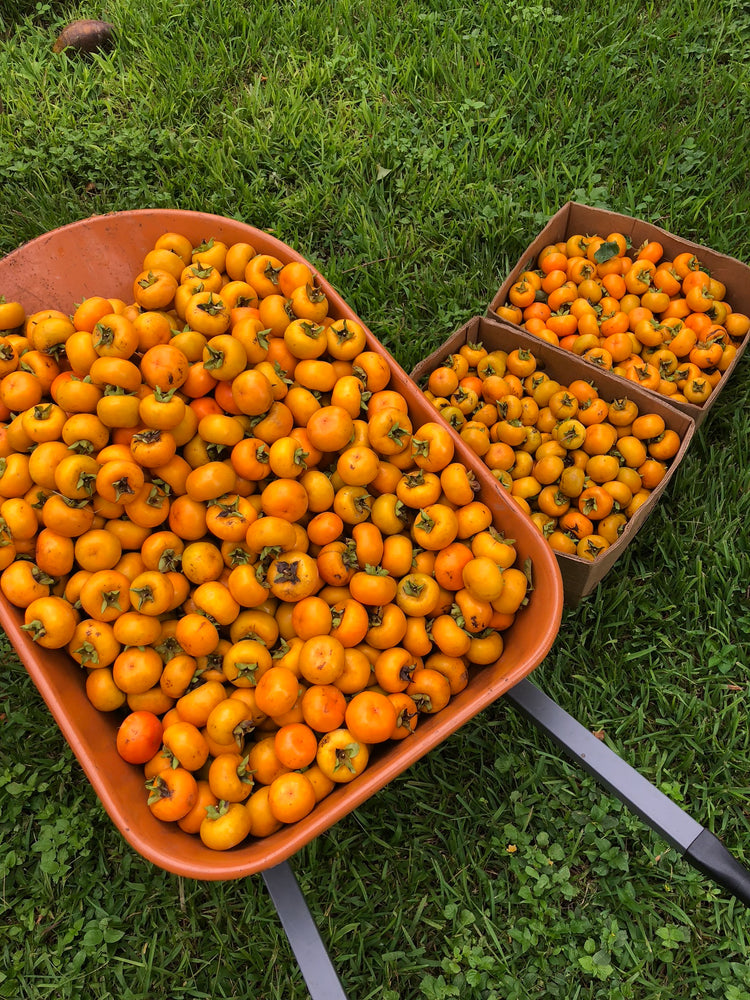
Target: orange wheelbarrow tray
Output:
[(101, 256)]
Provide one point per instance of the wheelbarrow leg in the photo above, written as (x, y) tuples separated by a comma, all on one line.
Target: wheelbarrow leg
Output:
[(307, 945), (698, 845)]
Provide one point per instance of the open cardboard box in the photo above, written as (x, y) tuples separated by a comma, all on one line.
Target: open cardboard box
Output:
[(101, 255), (580, 576), (575, 218)]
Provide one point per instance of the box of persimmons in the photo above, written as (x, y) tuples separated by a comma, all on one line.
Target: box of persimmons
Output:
[(627, 296), (584, 453)]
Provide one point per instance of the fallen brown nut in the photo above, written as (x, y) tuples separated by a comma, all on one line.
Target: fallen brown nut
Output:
[(85, 36)]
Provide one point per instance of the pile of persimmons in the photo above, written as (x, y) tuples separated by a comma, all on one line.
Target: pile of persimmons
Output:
[(665, 324), (214, 500), (579, 465)]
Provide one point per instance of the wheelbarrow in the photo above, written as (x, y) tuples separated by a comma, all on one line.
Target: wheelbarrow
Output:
[(101, 256)]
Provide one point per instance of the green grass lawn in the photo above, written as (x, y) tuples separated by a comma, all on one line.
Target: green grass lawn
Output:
[(412, 150)]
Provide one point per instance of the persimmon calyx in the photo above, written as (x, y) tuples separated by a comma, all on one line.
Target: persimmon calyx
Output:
[(345, 755)]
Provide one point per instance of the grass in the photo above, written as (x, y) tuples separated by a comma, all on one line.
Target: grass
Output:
[(412, 151)]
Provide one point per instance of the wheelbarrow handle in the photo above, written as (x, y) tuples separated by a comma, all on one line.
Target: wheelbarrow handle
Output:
[(698, 845), (307, 945), (710, 856)]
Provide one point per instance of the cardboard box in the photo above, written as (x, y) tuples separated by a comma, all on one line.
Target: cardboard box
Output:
[(580, 576), (575, 218)]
